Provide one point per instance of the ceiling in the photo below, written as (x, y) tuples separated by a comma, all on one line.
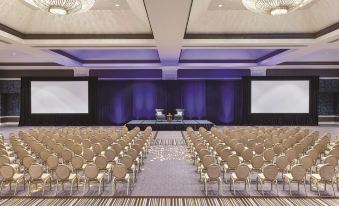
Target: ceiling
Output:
[(169, 34)]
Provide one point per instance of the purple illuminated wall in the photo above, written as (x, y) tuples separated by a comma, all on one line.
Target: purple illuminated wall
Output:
[(122, 101)]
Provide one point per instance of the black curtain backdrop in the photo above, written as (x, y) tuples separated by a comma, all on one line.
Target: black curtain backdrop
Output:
[(219, 101), (281, 119), (28, 119)]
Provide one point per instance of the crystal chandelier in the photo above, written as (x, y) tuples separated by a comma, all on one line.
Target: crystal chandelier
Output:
[(274, 7), (62, 7)]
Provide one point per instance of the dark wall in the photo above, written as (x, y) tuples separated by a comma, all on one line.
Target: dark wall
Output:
[(10, 98), (328, 97)]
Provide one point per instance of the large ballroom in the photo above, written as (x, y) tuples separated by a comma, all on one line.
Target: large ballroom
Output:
[(169, 102)]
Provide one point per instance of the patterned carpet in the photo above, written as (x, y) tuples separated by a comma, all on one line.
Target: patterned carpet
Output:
[(135, 201)]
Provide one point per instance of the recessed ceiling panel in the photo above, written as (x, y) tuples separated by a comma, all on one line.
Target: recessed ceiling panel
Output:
[(224, 54), (115, 54), (104, 18), (231, 17)]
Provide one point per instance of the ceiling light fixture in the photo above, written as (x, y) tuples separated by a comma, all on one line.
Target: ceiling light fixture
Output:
[(117, 5), (220, 5), (274, 7), (62, 7)]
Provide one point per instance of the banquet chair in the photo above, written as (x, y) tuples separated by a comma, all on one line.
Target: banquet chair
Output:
[(78, 164), (37, 175), (326, 175), (92, 174), (64, 174), (120, 175), (241, 174), (213, 173), (297, 174), (10, 175), (269, 174)]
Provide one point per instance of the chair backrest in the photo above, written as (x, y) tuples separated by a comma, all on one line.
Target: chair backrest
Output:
[(44, 154), (88, 154), (259, 148), (127, 161), (269, 154), (97, 148), (77, 162), (290, 154), (278, 149), (257, 162), (7, 171), (110, 154), (133, 153), (35, 171), (67, 155), (242, 171), (207, 160), (306, 161), (63, 172), (52, 161), (91, 171), (331, 160), (213, 171), (119, 171), (298, 172), (27, 161), (247, 154), (270, 171), (101, 162), (4, 160), (327, 172), (233, 161), (77, 149), (224, 154)]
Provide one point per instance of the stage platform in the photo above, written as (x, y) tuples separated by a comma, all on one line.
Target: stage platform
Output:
[(170, 125)]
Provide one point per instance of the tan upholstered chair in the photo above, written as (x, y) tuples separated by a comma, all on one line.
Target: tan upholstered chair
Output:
[(52, 164), (88, 155), (128, 162), (37, 175), (120, 175), (298, 174), (91, 174), (282, 164), (10, 175), (103, 165), (64, 174), (213, 173), (241, 174), (326, 175), (269, 155), (269, 174), (231, 164), (4, 160), (67, 155), (206, 161)]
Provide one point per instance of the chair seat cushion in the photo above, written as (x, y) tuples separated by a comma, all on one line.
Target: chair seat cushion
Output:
[(288, 176), (316, 176), (17, 176), (261, 176), (100, 176), (45, 176), (72, 176)]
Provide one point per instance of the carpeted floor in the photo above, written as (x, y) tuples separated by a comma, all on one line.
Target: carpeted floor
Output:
[(169, 171), (130, 201)]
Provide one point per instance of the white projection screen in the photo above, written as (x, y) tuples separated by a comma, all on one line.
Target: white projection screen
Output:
[(274, 96), (59, 97)]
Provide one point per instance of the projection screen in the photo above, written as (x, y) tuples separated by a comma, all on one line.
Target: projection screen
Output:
[(59, 97), (280, 96)]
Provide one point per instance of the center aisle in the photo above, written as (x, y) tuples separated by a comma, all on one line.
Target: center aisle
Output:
[(169, 170)]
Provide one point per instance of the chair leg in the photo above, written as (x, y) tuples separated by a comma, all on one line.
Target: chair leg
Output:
[(16, 185), (100, 182), (205, 186), (113, 186), (289, 187), (128, 186), (56, 187), (233, 187), (220, 185), (72, 186), (84, 187), (318, 189), (43, 188), (2, 182), (333, 188)]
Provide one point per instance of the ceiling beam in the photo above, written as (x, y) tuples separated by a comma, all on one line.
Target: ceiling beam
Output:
[(168, 19)]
